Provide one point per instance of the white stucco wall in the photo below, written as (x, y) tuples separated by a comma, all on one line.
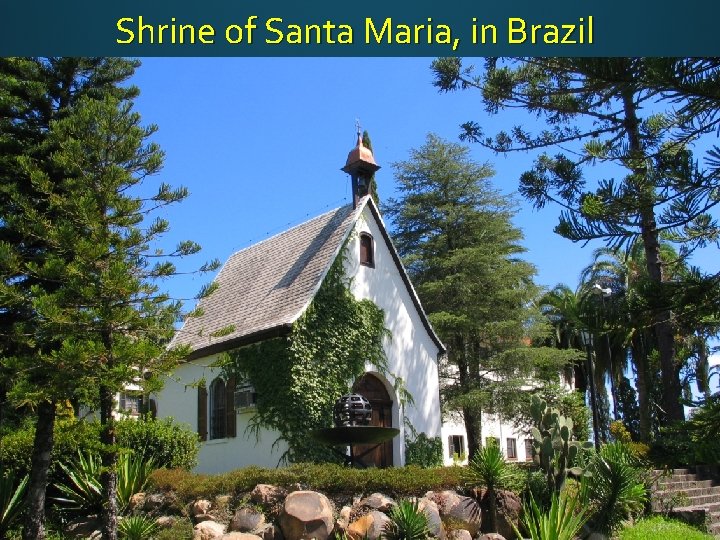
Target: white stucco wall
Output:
[(179, 400), (411, 353)]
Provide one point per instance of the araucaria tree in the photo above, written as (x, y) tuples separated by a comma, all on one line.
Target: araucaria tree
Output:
[(610, 109), (88, 289), (454, 233)]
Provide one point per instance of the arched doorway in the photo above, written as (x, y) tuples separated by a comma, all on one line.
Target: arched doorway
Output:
[(374, 390)]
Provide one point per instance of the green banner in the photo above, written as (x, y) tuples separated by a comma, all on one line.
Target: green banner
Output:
[(368, 28)]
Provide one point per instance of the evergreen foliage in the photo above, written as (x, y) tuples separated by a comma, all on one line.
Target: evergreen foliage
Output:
[(299, 377), (454, 233)]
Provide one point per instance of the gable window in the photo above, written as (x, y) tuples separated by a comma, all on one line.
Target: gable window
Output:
[(367, 254), (511, 448), (456, 446)]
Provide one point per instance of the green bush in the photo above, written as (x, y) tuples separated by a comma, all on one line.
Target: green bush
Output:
[(660, 527), (562, 521), (329, 478), (424, 451), (407, 522), (166, 443)]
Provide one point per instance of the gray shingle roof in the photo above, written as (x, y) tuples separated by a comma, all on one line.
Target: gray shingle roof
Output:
[(267, 286)]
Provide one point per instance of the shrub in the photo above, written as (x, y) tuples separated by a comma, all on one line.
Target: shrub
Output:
[(424, 451), (614, 487), (659, 527), (562, 521), (137, 528), (182, 529), (11, 499), (168, 444), (407, 522), (329, 478)]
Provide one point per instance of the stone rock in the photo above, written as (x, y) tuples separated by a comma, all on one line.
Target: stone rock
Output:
[(204, 517), (267, 494), (208, 530), (269, 531), (459, 534), (246, 520), (239, 536), (370, 526), (508, 507), (154, 501), (137, 501), (305, 515), (378, 501), (430, 508), (344, 517), (201, 506), (223, 501), (445, 500), (463, 514), (165, 522), (491, 536), (82, 527)]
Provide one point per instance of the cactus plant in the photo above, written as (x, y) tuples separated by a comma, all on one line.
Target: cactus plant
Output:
[(554, 449)]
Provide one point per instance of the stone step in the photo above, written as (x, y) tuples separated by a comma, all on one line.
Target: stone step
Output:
[(683, 485), (687, 492)]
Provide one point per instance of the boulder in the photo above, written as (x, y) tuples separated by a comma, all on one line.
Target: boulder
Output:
[(83, 527), (368, 527), (267, 494), (343, 520), (463, 513), (378, 501), (492, 536), (459, 534), (204, 517), (208, 530), (246, 520), (165, 522), (199, 507), (430, 508), (445, 500), (136, 502), (269, 531), (239, 536), (305, 515), (509, 508), (155, 501)]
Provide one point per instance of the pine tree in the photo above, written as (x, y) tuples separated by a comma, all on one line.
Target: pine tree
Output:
[(89, 289), (372, 187), (454, 232), (598, 104)]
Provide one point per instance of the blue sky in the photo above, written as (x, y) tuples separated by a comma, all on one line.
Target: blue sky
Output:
[(259, 142)]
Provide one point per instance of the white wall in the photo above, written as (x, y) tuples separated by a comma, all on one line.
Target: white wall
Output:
[(179, 400), (411, 353)]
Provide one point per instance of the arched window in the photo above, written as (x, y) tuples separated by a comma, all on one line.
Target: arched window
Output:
[(218, 409), (367, 254)]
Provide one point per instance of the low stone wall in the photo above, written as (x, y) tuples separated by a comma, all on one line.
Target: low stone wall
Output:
[(273, 513)]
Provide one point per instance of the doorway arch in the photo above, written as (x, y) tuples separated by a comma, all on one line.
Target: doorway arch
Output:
[(375, 391)]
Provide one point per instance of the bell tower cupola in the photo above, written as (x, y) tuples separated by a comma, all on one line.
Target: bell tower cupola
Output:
[(361, 166)]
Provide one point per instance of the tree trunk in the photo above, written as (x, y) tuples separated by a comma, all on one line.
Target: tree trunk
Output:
[(670, 372), (641, 382), (37, 484), (473, 428), (108, 478)]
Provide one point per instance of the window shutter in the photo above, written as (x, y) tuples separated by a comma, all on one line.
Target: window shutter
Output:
[(230, 416), (202, 413)]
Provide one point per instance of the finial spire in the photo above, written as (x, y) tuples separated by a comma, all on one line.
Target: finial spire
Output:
[(359, 131)]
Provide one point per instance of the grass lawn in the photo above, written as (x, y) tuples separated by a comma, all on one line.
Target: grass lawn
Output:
[(659, 528)]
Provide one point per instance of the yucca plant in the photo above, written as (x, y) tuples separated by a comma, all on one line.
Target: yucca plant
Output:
[(489, 469), (11, 499), (407, 522), (82, 492), (614, 487), (137, 528), (562, 521)]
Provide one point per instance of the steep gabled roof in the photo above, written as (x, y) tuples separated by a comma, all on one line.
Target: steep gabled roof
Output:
[(265, 288)]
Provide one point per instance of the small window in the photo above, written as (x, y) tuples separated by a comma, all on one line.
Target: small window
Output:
[(456, 447), (218, 402), (245, 396), (367, 255), (130, 404), (528, 449), (511, 448)]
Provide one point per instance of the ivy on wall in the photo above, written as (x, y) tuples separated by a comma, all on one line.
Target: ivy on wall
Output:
[(298, 377)]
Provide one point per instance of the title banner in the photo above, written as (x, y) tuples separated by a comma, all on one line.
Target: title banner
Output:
[(367, 28)]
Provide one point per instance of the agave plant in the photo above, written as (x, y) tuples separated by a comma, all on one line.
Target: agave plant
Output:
[(82, 492), (407, 522), (11, 498), (137, 528), (562, 521)]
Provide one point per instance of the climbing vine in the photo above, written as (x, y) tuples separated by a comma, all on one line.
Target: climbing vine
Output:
[(298, 377)]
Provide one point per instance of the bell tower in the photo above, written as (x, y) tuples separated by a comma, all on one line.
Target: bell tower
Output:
[(360, 165)]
